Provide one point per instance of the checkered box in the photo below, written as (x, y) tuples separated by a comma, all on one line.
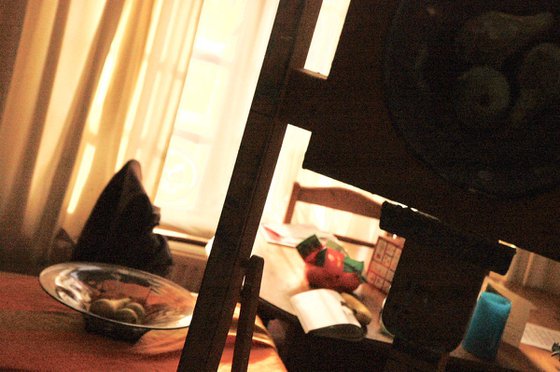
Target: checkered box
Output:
[(384, 262)]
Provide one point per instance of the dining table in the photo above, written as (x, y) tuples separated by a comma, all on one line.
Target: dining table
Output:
[(38, 333), (284, 276)]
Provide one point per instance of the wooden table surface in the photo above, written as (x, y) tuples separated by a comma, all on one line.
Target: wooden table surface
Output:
[(283, 277), (37, 333)]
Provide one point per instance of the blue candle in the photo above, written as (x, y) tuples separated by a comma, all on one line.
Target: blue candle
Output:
[(487, 325)]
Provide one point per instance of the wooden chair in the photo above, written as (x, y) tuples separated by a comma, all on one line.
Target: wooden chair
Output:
[(338, 198)]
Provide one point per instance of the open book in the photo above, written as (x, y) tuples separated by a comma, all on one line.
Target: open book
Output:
[(322, 312)]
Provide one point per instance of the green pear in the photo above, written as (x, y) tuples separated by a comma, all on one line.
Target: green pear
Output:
[(482, 96), (126, 315), (106, 307), (539, 83), (137, 308), (102, 307), (492, 37)]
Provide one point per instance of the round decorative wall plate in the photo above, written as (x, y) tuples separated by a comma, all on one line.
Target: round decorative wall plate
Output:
[(118, 301), (474, 90)]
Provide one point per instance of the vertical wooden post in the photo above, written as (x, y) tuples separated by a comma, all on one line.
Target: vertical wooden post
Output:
[(248, 314)]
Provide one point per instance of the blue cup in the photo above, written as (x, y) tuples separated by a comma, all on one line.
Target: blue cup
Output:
[(487, 325)]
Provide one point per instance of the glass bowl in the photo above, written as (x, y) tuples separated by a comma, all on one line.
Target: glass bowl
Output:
[(135, 301)]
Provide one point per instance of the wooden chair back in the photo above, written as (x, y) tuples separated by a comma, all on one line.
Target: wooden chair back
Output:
[(338, 198)]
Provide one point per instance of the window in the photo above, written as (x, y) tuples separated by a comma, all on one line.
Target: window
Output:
[(230, 44)]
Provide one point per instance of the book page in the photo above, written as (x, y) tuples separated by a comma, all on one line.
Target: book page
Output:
[(323, 308), (539, 336)]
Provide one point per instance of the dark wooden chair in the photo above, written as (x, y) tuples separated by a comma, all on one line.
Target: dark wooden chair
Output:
[(338, 198), (354, 140)]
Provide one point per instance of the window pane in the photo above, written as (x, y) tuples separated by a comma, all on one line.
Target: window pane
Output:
[(326, 35)]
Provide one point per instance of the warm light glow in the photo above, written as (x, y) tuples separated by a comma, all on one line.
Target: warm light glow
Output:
[(167, 232), (508, 244), (129, 124), (325, 37), (168, 42), (210, 50), (156, 13), (135, 101), (179, 178), (197, 120), (83, 174), (107, 76)]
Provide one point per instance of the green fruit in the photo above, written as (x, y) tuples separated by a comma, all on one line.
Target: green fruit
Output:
[(492, 37), (126, 315), (103, 307), (482, 96), (539, 83), (137, 308)]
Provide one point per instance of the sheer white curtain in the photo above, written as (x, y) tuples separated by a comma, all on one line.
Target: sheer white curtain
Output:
[(37, 137), (137, 125), (71, 114), (226, 62)]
